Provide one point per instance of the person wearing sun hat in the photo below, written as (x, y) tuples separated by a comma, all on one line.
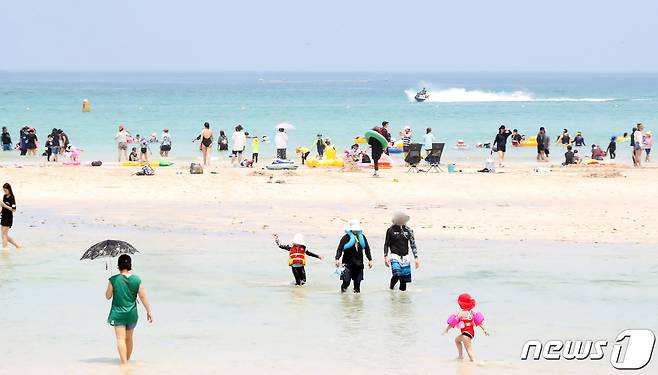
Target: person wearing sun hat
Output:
[(399, 238), (351, 248)]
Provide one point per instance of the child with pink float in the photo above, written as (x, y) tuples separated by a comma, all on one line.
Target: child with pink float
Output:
[(466, 320)]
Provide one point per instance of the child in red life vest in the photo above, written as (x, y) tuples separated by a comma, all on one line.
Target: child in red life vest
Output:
[(466, 320), (297, 256)]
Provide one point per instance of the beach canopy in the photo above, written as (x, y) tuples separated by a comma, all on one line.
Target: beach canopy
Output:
[(284, 125), (110, 249)]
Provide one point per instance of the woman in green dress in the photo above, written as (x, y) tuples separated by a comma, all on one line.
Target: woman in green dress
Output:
[(123, 289)]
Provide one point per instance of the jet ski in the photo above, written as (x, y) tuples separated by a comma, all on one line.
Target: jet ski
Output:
[(422, 95)]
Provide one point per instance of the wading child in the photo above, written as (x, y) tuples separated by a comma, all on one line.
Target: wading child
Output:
[(297, 256), (466, 320)]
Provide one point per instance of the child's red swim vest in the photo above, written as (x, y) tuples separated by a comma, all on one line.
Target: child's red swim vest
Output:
[(297, 255)]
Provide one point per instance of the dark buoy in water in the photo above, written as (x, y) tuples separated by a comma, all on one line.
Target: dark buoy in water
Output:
[(86, 107)]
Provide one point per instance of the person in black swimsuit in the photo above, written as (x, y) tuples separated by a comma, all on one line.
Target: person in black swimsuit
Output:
[(7, 215), (206, 143), (500, 143), (564, 139)]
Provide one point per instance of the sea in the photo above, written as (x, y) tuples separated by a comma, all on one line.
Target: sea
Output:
[(340, 106)]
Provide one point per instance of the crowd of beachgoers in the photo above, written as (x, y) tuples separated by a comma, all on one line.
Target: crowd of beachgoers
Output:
[(243, 149)]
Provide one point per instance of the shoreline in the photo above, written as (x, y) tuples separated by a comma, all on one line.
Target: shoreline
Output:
[(581, 204)]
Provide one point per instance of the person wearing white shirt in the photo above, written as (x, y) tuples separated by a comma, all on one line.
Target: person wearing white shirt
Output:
[(122, 142), (428, 139), (239, 141), (281, 142)]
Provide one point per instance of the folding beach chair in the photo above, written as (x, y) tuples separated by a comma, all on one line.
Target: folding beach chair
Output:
[(414, 157), (434, 157)]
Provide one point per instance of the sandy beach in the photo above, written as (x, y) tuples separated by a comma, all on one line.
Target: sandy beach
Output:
[(523, 237), (526, 202)]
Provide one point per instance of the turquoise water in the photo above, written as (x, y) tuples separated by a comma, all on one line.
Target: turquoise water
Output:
[(463, 106)]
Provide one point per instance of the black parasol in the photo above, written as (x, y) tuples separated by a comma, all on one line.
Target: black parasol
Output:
[(110, 249)]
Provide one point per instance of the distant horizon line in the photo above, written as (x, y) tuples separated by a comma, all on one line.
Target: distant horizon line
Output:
[(236, 71)]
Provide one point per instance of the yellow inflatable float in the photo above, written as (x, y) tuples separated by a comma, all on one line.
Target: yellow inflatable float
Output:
[(529, 142), (360, 140), (161, 163), (328, 161), (138, 164)]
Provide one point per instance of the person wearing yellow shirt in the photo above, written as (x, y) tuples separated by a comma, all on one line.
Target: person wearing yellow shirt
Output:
[(255, 149), (304, 152)]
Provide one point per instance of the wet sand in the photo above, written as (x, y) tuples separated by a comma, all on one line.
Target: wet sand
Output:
[(548, 255)]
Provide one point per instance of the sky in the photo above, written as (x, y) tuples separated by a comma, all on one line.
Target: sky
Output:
[(330, 35)]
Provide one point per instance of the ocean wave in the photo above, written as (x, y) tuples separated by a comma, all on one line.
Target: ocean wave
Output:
[(462, 95), (576, 100)]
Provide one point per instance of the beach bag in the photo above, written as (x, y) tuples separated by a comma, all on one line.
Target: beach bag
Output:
[(196, 168), (96, 163)]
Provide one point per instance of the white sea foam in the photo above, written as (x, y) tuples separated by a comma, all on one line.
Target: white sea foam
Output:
[(462, 95)]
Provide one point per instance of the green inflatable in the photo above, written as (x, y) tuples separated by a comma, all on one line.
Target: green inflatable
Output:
[(373, 134), (165, 163)]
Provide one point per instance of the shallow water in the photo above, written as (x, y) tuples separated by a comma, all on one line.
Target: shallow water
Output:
[(223, 302)]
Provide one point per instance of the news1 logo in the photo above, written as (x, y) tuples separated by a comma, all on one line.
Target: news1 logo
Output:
[(632, 350)]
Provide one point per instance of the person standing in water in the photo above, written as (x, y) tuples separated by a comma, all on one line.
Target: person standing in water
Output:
[(646, 142), (54, 145), (500, 143), (206, 143), (222, 142), (297, 253), (579, 140), (351, 248), (32, 141), (466, 320), (564, 139), (612, 148), (8, 205), (399, 238), (123, 289), (122, 143), (6, 139), (541, 144)]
